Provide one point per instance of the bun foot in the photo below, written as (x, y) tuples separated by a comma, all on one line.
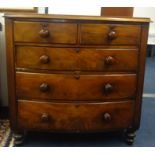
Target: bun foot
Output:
[(130, 136), (18, 138)]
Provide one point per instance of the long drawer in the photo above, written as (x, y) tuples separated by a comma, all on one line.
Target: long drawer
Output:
[(110, 34), (69, 59), (74, 117), (42, 32), (75, 86)]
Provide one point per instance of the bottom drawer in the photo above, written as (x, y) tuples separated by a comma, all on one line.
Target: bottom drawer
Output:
[(74, 117)]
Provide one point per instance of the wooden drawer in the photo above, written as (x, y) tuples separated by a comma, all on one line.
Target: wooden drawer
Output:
[(69, 59), (75, 86), (98, 34), (75, 117), (40, 32)]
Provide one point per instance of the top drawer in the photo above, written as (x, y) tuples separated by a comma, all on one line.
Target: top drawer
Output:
[(63, 33), (98, 34)]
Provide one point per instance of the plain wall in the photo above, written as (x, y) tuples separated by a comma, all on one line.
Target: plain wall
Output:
[(146, 12)]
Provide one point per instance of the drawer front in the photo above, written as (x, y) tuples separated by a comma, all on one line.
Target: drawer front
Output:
[(110, 34), (75, 86), (39, 32), (69, 59), (75, 117)]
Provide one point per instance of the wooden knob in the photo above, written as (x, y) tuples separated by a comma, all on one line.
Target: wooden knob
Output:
[(107, 117), (77, 50), (77, 75), (108, 88), (44, 117), (112, 35), (44, 87), (44, 59), (44, 33), (109, 60)]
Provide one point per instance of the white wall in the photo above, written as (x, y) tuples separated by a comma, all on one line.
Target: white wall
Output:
[(75, 10), (146, 12), (79, 7)]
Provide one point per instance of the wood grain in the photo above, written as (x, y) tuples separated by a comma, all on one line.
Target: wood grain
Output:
[(80, 18), (58, 33), (10, 73), (117, 11), (74, 117), (75, 86), (70, 59), (140, 84), (75, 73), (97, 34)]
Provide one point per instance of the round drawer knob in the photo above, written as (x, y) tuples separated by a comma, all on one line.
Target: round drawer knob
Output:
[(108, 88), (44, 117), (44, 33), (44, 59), (112, 35), (109, 60), (44, 87), (77, 50), (107, 117), (77, 75)]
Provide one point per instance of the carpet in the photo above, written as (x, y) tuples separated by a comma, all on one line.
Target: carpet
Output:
[(6, 138), (149, 84)]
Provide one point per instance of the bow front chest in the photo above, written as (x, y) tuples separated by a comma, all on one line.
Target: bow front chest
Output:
[(75, 73)]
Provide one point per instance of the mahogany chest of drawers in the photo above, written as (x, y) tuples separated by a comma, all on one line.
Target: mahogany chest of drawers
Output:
[(75, 73)]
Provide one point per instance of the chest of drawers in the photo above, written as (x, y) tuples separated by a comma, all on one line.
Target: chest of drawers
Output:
[(75, 73)]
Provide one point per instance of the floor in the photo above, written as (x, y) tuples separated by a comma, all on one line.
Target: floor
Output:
[(145, 136), (149, 83)]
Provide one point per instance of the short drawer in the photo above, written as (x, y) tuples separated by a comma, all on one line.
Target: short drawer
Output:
[(75, 86), (40, 32), (98, 34), (69, 59), (75, 117)]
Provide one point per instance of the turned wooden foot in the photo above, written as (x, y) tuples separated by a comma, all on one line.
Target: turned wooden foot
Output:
[(18, 138), (130, 136)]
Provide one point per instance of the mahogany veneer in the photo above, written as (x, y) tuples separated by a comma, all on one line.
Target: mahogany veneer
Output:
[(117, 11), (75, 73)]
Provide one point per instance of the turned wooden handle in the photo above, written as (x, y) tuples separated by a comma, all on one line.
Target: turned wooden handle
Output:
[(44, 87), (107, 117), (108, 88), (44, 33), (112, 35), (44, 59), (77, 50), (77, 75), (109, 60), (44, 117)]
